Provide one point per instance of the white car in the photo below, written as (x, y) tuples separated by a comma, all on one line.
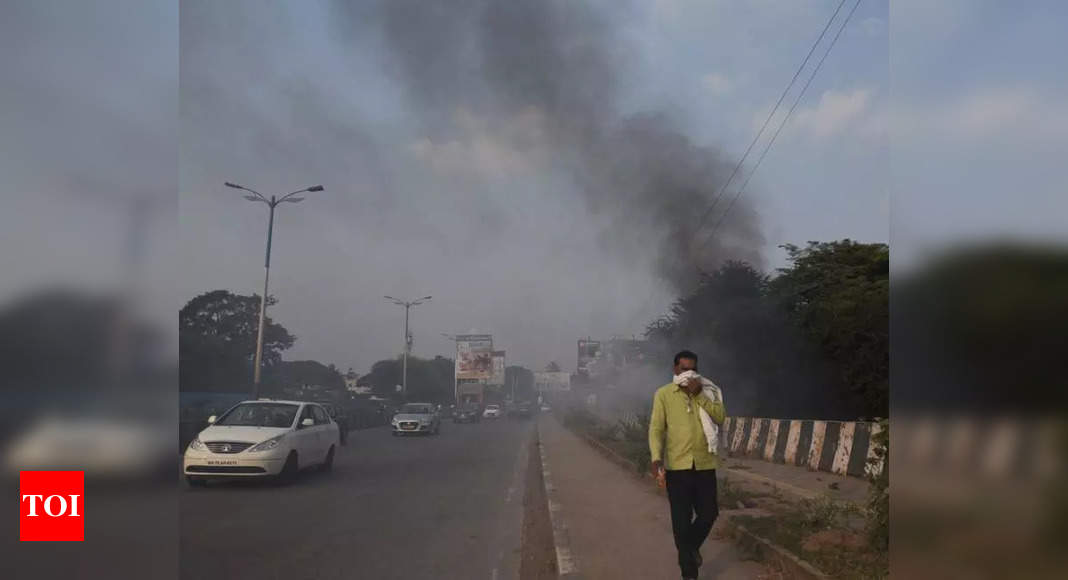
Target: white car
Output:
[(492, 412), (262, 438)]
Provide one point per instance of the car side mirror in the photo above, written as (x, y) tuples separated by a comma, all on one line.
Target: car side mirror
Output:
[(211, 420), (307, 422)]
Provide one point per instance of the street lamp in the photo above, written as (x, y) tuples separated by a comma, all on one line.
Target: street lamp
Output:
[(456, 361), (407, 304), (271, 203)]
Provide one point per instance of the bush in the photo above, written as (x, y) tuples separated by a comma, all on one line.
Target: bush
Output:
[(580, 420), (878, 508)]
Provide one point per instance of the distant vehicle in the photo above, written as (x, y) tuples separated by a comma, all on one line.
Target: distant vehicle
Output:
[(265, 438), (545, 407), (523, 410), (492, 412), (467, 414), (416, 418)]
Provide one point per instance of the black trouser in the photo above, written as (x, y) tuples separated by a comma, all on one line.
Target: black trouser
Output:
[(691, 493)]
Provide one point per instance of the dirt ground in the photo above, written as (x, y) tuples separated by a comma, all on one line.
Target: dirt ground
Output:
[(539, 554)]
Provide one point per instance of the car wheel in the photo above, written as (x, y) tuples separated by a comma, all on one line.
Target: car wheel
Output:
[(329, 463), (289, 470), (196, 481)]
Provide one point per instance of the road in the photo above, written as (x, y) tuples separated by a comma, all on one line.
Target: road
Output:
[(446, 506)]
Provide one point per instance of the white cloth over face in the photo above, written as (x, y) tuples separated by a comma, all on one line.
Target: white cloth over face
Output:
[(712, 392)]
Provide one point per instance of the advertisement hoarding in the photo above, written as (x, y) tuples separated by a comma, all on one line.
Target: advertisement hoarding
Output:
[(588, 351), (552, 381), (497, 377), (474, 357)]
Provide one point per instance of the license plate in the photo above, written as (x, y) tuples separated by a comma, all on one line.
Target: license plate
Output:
[(222, 462)]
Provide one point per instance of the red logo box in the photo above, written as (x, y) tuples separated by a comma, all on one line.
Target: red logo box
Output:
[(52, 506)]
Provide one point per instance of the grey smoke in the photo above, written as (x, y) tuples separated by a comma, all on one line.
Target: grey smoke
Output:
[(561, 63)]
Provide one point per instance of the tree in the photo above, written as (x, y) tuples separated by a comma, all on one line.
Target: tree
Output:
[(552, 367), (304, 377), (217, 341), (428, 380), (808, 343), (67, 340), (837, 293)]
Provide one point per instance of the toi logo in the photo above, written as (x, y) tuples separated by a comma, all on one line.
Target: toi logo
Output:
[(51, 506)]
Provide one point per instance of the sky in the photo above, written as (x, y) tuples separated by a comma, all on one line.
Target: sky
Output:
[(540, 170)]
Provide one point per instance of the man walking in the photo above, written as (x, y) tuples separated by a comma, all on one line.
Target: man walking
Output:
[(684, 462)]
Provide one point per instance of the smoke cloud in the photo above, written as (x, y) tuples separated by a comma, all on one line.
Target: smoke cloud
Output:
[(543, 79)]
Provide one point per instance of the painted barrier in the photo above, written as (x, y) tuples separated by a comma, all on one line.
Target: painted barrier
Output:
[(983, 447), (841, 447)]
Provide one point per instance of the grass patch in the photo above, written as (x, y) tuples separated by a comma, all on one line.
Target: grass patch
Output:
[(824, 533)]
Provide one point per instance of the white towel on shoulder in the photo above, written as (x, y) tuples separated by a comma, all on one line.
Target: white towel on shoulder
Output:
[(712, 392)]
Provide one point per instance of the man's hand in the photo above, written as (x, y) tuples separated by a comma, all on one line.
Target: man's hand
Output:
[(693, 387), (658, 472)]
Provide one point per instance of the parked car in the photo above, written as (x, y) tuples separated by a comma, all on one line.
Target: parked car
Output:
[(492, 412), (264, 438), (467, 414), (416, 418)]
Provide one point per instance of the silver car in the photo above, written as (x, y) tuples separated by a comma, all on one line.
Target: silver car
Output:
[(416, 418)]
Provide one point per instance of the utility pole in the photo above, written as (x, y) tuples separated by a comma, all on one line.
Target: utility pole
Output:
[(455, 367), (407, 304), (271, 203)]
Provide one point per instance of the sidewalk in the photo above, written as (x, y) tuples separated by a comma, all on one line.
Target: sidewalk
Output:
[(618, 525), (797, 481)]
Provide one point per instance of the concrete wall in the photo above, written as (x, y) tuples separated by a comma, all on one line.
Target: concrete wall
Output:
[(841, 447)]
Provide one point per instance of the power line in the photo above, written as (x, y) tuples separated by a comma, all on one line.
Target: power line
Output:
[(781, 125), (723, 188)]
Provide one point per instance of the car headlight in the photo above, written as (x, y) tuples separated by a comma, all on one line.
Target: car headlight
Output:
[(267, 445), (196, 445)]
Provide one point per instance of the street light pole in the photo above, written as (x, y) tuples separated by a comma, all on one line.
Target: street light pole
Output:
[(271, 204), (407, 304), (455, 362)]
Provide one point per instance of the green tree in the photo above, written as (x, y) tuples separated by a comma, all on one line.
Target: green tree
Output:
[(837, 293), (217, 341), (296, 377), (429, 380)]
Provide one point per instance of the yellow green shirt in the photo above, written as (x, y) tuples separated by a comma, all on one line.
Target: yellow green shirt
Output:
[(675, 417)]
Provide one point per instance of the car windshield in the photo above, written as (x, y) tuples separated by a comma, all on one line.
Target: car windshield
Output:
[(415, 410), (492, 407), (259, 415)]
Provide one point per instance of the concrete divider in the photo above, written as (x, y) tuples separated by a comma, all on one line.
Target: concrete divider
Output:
[(994, 447), (841, 447)]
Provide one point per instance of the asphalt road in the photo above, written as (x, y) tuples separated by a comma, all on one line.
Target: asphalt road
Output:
[(446, 506)]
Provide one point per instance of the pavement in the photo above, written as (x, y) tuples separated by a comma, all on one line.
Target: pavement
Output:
[(446, 506), (618, 526), (799, 482)]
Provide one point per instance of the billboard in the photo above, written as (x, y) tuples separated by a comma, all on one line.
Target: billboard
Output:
[(497, 377), (474, 356), (588, 351), (552, 381)]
